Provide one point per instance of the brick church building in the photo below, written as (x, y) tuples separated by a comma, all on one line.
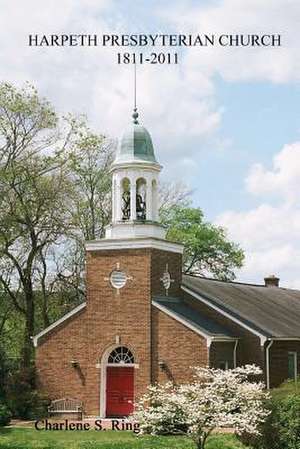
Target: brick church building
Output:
[(144, 321)]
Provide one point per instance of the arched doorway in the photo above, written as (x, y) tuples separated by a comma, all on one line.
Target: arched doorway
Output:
[(119, 397)]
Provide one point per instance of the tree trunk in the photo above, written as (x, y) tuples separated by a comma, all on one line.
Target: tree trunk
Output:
[(201, 441), (45, 311), (27, 351), (44, 291)]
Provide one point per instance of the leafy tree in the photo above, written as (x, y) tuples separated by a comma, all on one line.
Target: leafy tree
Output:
[(54, 194), (172, 194), (207, 249), (34, 191), (5, 312), (89, 163), (33, 216)]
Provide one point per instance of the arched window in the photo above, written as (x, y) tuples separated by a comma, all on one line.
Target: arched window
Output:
[(125, 199), (154, 200), (141, 199), (121, 355)]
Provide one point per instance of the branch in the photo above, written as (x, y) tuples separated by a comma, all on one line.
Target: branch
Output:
[(3, 320), (12, 295), (15, 262)]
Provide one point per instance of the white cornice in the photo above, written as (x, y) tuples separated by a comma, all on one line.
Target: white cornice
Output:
[(285, 338), (133, 229), (135, 243), (57, 323), (139, 164)]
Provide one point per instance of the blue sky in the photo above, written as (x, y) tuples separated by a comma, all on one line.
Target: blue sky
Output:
[(224, 121), (259, 118)]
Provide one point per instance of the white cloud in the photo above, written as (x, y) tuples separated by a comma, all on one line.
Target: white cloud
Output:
[(279, 64), (270, 234), (178, 104), (173, 102), (283, 179)]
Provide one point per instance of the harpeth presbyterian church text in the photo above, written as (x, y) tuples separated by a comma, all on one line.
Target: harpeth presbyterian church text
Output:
[(154, 40)]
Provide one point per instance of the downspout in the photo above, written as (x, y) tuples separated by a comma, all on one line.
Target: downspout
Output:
[(234, 353), (268, 347), (208, 344)]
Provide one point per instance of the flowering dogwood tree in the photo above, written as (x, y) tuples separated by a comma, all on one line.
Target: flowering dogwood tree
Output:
[(216, 398)]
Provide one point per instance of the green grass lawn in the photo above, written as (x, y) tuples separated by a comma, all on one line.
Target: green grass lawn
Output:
[(19, 438)]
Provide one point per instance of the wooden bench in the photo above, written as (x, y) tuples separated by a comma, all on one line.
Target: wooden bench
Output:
[(66, 406)]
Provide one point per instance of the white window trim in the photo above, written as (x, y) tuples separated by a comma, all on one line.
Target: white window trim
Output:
[(123, 365), (295, 355)]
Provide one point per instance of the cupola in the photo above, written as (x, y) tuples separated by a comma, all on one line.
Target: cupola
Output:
[(135, 172)]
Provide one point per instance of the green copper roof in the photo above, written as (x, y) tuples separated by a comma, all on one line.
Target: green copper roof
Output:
[(135, 144)]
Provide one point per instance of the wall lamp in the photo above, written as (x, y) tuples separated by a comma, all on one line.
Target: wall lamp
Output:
[(74, 363), (162, 365)]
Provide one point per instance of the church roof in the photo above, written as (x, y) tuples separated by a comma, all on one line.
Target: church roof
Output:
[(183, 312), (271, 311), (135, 144)]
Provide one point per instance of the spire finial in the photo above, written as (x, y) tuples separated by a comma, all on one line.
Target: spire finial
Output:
[(135, 112)]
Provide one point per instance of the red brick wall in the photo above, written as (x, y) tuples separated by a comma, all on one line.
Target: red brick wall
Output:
[(126, 315), (177, 346), (159, 259), (89, 334), (56, 376)]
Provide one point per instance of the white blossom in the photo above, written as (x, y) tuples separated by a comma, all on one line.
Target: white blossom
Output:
[(216, 398)]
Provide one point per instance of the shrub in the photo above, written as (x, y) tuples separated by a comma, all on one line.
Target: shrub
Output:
[(281, 429), (288, 424), (4, 415), (160, 411), (287, 388), (3, 373), (23, 400), (216, 398)]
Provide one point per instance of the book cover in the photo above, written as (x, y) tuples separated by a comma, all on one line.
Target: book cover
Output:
[(149, 218)]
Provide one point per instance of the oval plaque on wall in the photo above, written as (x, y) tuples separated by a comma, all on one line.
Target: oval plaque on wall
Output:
[(118, 279)]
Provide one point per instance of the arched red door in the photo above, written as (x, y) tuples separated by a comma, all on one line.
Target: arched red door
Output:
[(119, 391)]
